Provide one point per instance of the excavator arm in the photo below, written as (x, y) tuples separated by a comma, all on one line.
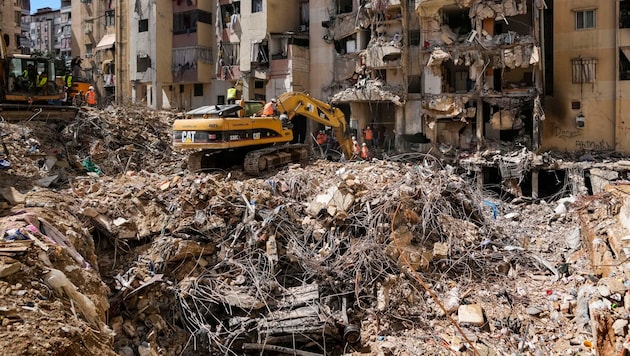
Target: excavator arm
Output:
[(295, 103)]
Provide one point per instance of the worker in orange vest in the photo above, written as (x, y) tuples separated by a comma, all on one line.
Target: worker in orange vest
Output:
[(322, 138), (369, 136), (90, 96), (355, 146), (270, 108), (365, 152)]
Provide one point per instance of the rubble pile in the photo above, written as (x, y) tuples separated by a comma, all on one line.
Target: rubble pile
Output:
[(125, 252)]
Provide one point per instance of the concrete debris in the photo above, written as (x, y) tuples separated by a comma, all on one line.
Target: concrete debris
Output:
[(368, 254)]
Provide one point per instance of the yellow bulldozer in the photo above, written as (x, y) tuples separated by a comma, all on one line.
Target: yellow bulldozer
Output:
[(28, 88)]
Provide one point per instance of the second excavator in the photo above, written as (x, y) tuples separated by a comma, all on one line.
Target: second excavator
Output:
[(235, 133)]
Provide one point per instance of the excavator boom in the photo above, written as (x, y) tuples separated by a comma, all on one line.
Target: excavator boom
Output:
[(296, 103)]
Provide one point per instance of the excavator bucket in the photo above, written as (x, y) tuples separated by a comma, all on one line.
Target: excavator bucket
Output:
[(21, 112)]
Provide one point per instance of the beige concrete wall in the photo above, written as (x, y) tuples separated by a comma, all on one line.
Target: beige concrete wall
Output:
[(282, 15), (10, 26), (598, 99), (322, 54)]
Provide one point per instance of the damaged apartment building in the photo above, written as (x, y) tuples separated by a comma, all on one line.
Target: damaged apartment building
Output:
[(457, 73)]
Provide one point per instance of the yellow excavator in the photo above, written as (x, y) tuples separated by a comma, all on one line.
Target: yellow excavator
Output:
[(227, 134), (22, 95)]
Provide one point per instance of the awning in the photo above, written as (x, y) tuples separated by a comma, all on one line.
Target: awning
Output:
[(106, 42)]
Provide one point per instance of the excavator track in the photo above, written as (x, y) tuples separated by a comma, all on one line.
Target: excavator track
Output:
[(263, 160)]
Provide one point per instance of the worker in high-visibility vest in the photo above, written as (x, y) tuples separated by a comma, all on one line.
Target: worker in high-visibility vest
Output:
[(231, 95), (90, 96), (67, 86), (42, 81)]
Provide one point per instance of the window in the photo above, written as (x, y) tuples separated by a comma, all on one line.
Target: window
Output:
[(227, 11), (414, 84), (143, 62), (344, 6), (186, 22), (18, 17), (87, 28), (221, 99), (181, 88), (624, 14), (88, 49), (109, 18), (257, 6), (624, 63), (198, 89), (583, 70), (584, 19), (414, 37), (576, 105), (143, 25)]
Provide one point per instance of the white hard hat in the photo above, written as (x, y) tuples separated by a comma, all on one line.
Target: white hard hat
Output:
[(273, 100), (363, 144), (91, 88)]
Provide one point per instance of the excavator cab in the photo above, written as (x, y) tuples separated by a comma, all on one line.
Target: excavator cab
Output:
[(28, 88)]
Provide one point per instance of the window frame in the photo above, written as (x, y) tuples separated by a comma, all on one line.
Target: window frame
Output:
[(198, 89), (580, 14)]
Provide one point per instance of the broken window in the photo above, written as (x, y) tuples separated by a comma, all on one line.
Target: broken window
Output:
[(343, 6), (143, 62), (583, 70), (624, 14), (346, 45), (624, 63), (260, 52), (257, 6), (457, 19), (584, 19), (186, 22), (278, 48), (228, 11)]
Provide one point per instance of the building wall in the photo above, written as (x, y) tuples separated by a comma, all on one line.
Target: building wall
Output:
[(322, 53), (10, 17), (598, 99)]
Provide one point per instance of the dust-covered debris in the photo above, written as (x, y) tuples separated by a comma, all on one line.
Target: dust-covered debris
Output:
[(126, 252)]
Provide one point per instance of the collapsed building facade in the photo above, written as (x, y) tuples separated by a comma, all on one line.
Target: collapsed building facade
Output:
[(457, 73)]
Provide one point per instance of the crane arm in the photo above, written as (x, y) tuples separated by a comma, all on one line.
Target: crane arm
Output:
[(295, 103)]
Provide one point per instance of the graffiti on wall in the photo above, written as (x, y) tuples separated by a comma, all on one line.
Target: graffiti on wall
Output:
[(587, 145), (564, 133)]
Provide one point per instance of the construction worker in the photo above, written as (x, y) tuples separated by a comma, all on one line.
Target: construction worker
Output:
[(231, 95), (365, 152), (368, 136), (322, 138), (29, 77), (355, 146), (67, 80), (270, 108), (67, 86), (42, 82), (90, 96)]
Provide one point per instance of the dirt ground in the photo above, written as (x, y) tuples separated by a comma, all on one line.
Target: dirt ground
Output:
[(110, 246)]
